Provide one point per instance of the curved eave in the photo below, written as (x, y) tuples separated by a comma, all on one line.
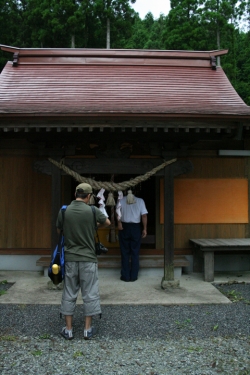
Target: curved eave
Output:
[(130, 53)]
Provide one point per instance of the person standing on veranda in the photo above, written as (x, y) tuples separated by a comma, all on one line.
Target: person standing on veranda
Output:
[(133, 213)]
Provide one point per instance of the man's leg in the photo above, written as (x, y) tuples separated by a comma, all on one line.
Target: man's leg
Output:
[(90, 294), (68, 321), (135, 245), (125, 252), (69, 296), (88, 322)]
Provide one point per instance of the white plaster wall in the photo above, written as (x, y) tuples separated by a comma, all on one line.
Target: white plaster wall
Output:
[(19, 263)]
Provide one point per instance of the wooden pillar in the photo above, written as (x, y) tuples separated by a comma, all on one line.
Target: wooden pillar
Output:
[(56, 202), (169, 224), (176, 169), (158, 227), (208, 266)]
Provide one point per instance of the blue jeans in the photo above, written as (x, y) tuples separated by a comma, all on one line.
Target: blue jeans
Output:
[(130, 243)]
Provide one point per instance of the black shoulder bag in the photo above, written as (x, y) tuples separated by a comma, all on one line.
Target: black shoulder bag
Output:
[(99, 247)]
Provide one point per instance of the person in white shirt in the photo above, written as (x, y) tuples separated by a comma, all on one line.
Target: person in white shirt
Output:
[(133, 213)]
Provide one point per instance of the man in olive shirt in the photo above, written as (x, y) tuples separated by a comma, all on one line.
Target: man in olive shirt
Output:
[(80, 259)]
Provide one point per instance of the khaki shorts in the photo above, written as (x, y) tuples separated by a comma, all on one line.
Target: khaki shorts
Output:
[(82, 275)]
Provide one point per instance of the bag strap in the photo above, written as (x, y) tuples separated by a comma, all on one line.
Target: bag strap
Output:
[(95, 223), (63, 209)]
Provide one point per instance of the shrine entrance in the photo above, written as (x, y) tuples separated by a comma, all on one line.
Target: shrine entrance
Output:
[(145, 190)]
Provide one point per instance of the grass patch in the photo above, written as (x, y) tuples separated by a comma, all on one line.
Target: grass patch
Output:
[(8, 338), (22, 306), (192, 349), (185, 324), (234, 296), (216, 327), (44, 336), (4, 286), (77, 354)]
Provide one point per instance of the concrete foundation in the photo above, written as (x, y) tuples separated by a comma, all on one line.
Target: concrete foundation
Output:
[(19, 263)]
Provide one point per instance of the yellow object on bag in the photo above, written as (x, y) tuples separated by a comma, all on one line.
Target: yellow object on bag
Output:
[(55, 269)]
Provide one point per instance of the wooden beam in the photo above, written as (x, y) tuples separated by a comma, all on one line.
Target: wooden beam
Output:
[(169, 224), (110, 166), (56, 202)]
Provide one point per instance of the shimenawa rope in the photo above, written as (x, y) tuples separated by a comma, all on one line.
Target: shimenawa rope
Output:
[(111, 186)]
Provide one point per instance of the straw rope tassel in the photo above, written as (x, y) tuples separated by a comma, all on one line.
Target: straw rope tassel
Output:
[(110, 200), (92, 200), (111, 186), (130, 197)]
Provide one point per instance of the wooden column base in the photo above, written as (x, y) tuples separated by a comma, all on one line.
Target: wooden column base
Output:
[(165, 284), (208, 266)]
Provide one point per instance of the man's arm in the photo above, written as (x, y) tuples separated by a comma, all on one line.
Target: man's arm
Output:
[(99, 218), (105, 224), (119, 223), (144, 219)]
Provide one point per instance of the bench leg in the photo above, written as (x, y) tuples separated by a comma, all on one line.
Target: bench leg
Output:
[(209, 266), (45, 271)]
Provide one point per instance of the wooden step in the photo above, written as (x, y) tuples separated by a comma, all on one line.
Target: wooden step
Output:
[(114, 261), (146, 261)]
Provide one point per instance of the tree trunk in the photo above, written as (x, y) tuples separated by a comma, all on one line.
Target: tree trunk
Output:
[(218, 45), (108, 34), (73, 41)]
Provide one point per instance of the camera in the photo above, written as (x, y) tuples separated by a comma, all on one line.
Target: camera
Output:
[(100, 248)]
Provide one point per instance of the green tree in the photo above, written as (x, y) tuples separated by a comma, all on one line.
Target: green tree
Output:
[(242, 82), (114, 15), (9, 26), (183, 26), (221, 17), (147, 33)]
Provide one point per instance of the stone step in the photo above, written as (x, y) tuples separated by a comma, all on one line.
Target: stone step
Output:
[(114, 261)]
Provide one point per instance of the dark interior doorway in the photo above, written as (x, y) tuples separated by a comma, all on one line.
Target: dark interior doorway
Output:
[(145, 190)]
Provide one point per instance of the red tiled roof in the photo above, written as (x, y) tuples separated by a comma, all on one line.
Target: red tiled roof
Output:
[(107, 82)]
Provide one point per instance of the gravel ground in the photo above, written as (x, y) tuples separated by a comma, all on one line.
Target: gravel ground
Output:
[(131, 340)]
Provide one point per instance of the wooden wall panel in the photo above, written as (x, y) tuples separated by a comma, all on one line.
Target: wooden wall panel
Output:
[(216, 168), (184, 232), (209, 167), (25, 205), (206, 201)]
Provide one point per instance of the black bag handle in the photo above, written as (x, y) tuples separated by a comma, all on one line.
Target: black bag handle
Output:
[(95, 223), (63, 209), (59, 251)]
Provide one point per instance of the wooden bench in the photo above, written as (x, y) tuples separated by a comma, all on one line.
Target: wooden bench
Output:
[(206, 248), (114, 261)]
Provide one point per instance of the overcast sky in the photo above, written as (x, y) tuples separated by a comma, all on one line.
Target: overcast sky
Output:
[(154, 6)]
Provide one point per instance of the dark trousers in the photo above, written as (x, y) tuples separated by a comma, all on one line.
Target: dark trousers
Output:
[(130, 243)]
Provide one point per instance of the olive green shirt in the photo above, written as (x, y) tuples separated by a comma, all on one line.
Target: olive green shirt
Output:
[(79, 231)]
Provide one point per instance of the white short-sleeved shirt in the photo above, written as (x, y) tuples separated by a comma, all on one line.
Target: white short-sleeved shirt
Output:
[(131, 213)]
